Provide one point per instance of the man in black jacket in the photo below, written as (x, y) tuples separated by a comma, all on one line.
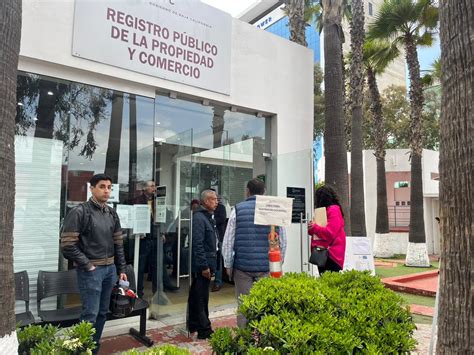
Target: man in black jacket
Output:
[(92, 239), (204, 262)]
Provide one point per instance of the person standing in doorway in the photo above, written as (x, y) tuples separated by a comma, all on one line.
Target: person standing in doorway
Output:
[(220, 217), (92, 239), (245, 247), (203, 266)]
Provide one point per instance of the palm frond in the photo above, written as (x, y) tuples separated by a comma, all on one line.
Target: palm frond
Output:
[(378, 54)]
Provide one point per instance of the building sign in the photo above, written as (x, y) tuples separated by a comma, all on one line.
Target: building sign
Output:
[(299, 202), (271, 18), (179, 40)]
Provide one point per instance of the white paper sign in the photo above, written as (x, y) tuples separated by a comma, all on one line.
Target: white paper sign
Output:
[(125, 213), (180, 40), (114, 194), (271, 210), (160, 210), (359, 255), (141, 219)]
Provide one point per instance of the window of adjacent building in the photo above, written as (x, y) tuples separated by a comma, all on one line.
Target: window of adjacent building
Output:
[(401, 184), (371, 10)]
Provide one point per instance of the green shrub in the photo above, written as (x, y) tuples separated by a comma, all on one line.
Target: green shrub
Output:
[(160, 350), (47, 339), (350, 312)]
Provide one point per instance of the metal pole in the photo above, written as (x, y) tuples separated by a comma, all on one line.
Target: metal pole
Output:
[(178, 262), (136, 256), (302, 240), (190, 242)]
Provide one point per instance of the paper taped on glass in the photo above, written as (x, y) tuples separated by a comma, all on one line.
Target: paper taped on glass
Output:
[(320, 217)]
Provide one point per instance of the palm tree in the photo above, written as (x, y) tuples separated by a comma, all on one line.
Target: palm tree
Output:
[(334, 146), (356, 91), (456, 310), (411, 23), (296, 11), (377, 56), (10, 33)]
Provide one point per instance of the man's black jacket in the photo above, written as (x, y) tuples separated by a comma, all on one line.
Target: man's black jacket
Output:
[(204, 241)]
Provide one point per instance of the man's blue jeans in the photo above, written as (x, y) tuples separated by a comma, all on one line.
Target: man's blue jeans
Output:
[(95, 288)]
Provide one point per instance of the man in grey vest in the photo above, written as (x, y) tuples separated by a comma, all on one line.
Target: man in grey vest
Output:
[(245, 247)]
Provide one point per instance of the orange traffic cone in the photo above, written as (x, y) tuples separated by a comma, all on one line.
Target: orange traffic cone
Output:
[(274, 254)]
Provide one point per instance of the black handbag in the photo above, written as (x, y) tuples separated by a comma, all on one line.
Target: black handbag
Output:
[(319, 256)]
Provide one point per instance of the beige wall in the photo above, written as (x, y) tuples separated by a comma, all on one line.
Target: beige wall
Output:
[(395, 74)]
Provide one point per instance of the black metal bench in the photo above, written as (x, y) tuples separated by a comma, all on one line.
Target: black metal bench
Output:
[(22, 293), (65, 283)]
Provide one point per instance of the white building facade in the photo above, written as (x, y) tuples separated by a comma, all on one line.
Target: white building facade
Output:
[(175, 92)]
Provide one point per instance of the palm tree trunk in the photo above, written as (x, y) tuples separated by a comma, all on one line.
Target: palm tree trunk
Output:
[(115, 132), (456, 298), (381, 225), (357, 86), (417, 254), (296, 21), (334, 137), (383, 244), (10, 18)]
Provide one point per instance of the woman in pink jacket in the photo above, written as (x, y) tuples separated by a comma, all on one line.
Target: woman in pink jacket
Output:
[(332, 236)]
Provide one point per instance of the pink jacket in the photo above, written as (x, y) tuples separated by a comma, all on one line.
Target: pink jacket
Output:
[(332, 233)]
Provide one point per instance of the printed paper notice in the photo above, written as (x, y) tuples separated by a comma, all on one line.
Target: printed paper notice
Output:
[(141, 219), (160, 210), (271, 210), (125, 213)]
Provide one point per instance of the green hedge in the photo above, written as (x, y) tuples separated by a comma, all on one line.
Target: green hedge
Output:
[(339, 313), (48, 339)]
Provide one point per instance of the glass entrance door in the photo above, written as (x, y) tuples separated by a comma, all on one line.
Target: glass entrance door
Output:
[(173, 178)]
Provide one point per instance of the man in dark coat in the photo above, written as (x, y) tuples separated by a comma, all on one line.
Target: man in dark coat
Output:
[(204, 262)]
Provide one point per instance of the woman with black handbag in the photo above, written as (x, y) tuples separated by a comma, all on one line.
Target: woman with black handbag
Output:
[(328, 243)]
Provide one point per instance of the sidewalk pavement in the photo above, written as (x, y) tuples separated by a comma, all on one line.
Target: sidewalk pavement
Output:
[(177, 335)]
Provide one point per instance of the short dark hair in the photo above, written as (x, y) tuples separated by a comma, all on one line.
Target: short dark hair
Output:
[(256, 187), (98, 177)]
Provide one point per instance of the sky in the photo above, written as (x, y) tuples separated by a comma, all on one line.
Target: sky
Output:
[(426, 55)]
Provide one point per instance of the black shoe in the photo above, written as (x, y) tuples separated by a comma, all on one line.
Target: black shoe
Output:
[(205, 334), (171, 288)]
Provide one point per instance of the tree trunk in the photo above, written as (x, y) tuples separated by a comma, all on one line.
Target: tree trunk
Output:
[(334, 146), (357, 86), (417, 225), (10, 33), (296, 21), (115, 132), (218, 126), (381, 224), (456, 298)]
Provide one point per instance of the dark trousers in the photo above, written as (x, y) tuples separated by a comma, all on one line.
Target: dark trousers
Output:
[(198, 305), (95, 288), (148, 253), (331, 265)]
